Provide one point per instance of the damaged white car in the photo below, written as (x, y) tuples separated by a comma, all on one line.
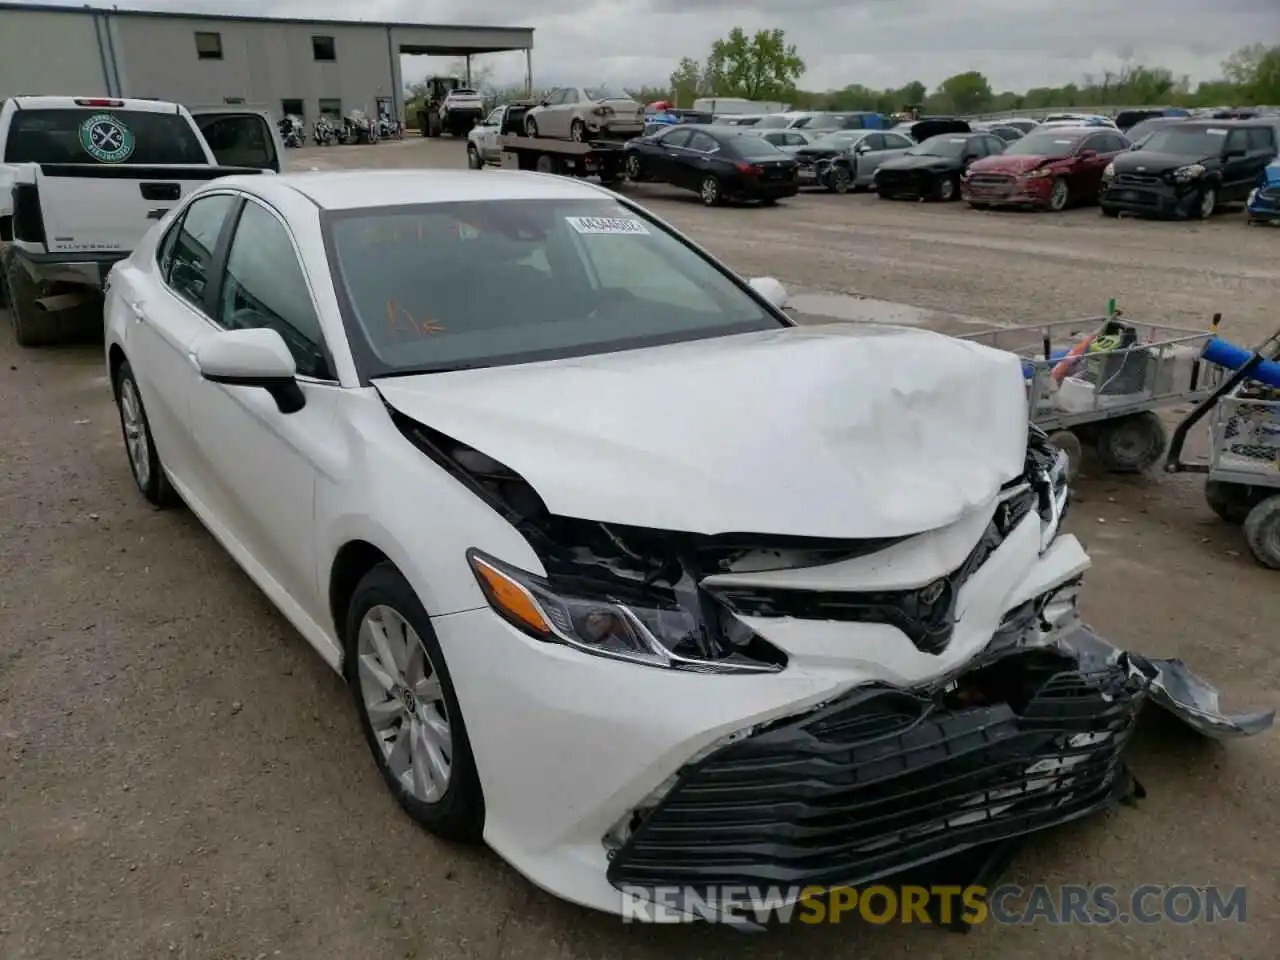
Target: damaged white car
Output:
[(629, 575)]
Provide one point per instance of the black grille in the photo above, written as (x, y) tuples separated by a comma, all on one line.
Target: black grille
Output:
[(883, 780), (926, 615), (1137, 178)]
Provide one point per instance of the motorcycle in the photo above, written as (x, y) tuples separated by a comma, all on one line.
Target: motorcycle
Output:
[(324, 132), (357, 128), (292, 131), (389, 129)]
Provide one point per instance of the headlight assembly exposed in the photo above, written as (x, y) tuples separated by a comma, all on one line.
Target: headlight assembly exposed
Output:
[(1192, 171), (623, 622), (1109, 171)]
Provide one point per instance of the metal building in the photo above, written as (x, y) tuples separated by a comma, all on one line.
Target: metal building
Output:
[(303, 67)]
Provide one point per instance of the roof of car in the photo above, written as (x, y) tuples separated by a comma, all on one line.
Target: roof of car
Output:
[(355, 189)]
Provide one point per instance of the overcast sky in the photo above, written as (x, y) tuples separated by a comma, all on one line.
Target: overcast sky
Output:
[(879, 43)]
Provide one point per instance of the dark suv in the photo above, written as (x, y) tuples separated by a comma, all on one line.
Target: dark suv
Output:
[(1186, 169)]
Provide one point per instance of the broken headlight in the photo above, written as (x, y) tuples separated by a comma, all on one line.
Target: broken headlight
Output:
[(1047, 473), (623, 621)]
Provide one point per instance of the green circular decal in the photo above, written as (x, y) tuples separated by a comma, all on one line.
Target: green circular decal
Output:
[(105, 138)]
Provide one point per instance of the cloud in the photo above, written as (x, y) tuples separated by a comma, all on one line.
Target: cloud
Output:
[(879, 43)]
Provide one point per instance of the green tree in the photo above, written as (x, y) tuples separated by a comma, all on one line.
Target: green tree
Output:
[(966, 92), (689, 81), (760, 67)]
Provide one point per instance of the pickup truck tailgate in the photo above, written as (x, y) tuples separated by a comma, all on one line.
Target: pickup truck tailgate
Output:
[(97, 208)]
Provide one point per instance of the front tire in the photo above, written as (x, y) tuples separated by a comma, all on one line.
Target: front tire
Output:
[(577, 131), (1206, 204), (946, 189), (635, 168), (408, 707), (531, 126), (139, 445), (1059, 195), (474, 161), (838, 180)]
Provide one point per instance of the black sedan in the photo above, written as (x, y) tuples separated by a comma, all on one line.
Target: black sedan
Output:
[(932, 169), (718, 165)]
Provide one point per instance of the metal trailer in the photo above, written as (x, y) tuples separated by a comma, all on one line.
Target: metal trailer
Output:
[(1242, 469), (1109, 397), (598, 158)]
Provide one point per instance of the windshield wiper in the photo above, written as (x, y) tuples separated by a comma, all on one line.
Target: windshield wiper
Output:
[(419, 371)]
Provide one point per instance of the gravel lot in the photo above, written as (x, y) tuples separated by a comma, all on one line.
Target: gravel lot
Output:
[(182, 776)]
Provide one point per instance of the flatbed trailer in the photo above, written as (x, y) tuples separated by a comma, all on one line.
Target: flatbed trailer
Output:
[(598, 158)]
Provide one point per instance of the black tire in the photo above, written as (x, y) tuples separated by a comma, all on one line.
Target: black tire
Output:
[(978, 206), (1131, 444), (839, 180), (32, 327), (635, 168), (546, 164), (149, 476), (1230, 501), (474, 160), (946, 189), (1262, 532), (459, 813), (531, 126), (1206, 203), (578, 131), (769, 202), (710, 191), (1059, 195), (1069, 443), (1107, 211)]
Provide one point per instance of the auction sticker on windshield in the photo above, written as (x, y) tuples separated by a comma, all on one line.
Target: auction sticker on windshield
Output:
[(1216, 132), (606, 225), (106, 138)]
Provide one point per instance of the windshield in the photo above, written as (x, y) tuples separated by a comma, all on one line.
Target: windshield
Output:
[(606, 93), (776, 121), (101, 135), (943, 145), (1186, 141), (1148, 126), (1047, 144), (837, 141), (444, 286)]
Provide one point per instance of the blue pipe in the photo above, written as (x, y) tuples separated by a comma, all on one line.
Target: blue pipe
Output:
[(1233, 358)]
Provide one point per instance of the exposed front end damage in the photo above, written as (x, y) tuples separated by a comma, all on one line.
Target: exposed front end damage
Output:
[(967, 705)]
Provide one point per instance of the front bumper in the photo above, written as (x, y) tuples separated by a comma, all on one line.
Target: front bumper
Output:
[(1151, 196), (1006, 190), (859, 759)]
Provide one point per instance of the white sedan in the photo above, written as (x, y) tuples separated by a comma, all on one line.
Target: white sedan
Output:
[(629, 575)]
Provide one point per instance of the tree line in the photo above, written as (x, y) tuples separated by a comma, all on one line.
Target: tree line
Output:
[(764, 66)]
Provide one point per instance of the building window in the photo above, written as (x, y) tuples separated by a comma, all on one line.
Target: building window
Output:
[(331, 107), (292, 108), (233, 100), (209, 46), (323, 49)]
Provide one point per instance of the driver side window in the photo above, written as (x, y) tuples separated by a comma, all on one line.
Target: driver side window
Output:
[(186, 256), (264, 286)]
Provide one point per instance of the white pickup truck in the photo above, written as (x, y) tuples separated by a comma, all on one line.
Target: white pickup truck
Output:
[(83, 178)]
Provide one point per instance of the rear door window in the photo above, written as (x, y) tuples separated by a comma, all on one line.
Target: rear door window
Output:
[(239, 140), (101, 135), (1261, 140)]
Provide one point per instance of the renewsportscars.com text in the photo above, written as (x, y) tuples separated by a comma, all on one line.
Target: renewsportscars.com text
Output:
[(1096, 904)]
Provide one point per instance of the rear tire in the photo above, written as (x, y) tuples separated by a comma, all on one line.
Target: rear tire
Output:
[(710, 191), (33, 327), (531, 126), (1230, 501), (458, 812), (1131, 444), (578, 131), (474, 161), (1262, 532)]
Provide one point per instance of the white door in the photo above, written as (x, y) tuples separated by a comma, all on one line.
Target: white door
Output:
[(165, 314), (489, 136), (261, 464)]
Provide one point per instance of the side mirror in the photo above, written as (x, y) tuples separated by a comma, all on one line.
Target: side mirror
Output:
[(862, 147), (544, 103), (772, 290), (255, 357)]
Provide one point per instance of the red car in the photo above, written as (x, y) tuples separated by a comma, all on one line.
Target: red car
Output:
[(1049, 169)]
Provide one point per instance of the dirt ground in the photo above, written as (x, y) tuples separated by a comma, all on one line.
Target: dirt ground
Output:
[(182, 776)]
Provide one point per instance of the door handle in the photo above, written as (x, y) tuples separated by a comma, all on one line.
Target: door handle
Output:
[(139, 314)]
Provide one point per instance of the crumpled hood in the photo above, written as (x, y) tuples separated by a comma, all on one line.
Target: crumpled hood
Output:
[(1012, 163), (845, 431)]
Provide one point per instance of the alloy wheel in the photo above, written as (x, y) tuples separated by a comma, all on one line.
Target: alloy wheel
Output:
[(403, 699), (135, 433), (710, 191), (1208, 201), (633, 167), (1058, 195)]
